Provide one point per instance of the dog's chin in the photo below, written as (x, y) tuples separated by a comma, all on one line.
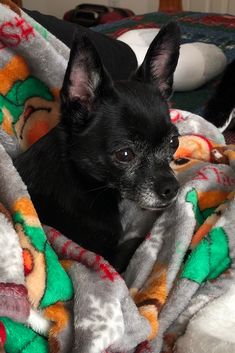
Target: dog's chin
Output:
[(158, 206), (151, 204)]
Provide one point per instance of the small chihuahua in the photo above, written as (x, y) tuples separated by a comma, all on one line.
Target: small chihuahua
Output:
[(115, 141)]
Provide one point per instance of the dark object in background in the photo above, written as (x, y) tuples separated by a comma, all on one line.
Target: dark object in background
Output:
[(219, 107), (117, 57), (89, 15)]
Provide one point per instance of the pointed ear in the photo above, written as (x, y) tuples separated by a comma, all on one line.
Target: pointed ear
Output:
[(85, 78), (161, 59)]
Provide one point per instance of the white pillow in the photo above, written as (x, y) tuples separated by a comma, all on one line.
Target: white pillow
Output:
[(198, 62), (212, 329)]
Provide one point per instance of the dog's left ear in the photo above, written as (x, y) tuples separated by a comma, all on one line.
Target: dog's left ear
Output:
[(85, 78), (161, 59)]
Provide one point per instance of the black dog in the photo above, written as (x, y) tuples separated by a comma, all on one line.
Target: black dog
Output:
[(115, 141)]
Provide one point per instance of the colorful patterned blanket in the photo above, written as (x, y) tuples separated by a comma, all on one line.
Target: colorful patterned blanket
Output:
[(58, 297)]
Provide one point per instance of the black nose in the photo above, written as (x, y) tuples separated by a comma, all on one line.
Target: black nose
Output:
[(168, 189)]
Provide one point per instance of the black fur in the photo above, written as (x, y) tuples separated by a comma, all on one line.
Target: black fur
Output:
[(221, 104), (115, 140)]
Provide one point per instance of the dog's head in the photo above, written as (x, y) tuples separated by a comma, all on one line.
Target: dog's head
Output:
[(120, 133)]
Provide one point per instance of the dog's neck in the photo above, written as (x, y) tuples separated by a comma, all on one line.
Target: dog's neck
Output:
[(57, 176)]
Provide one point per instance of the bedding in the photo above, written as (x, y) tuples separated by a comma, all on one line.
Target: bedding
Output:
[(58, 297), (198, 62), (195, 27)]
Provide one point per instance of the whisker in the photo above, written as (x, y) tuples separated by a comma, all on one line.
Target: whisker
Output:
[(99, 188)]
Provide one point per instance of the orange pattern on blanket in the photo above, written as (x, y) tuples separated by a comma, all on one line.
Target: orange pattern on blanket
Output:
[(39, 129), (56, 93), (39, 116), (230, 154), (34, 268), (151, 298), (155, 288), (67, 264), (201, 233), (7, 122), (206, 227), (150, 312), (25, 207), (58, 314), (28, 261), (208, 199), (16, 69), (193, 146)]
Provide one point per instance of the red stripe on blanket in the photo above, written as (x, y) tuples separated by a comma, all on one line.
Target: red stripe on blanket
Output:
[(3, 335), (109, 272), (80, 254), (210, 146), (65, 246), (53, 234), (13, 32)]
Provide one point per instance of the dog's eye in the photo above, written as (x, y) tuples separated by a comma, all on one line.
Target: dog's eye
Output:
[(174, 142), (125, 156)]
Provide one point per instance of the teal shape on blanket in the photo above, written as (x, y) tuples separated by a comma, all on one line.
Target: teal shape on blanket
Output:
[(200, 215), (22, 339), (20, 92), (197, 265), (14, 109), (36, 234), (219, 252), (58, 284), (192, 197), (40, 29), (208, 212), (209, 259)]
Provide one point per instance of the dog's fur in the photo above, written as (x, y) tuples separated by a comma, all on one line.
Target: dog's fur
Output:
[(219, 107), (115, 140)]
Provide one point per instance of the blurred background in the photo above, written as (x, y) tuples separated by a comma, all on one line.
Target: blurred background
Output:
[(59, 7)]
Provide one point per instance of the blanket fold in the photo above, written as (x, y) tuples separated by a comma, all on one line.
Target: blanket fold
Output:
[(58, 297)]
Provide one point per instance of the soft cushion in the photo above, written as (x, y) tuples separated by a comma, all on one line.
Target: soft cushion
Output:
[(211, 330), (198, 62)]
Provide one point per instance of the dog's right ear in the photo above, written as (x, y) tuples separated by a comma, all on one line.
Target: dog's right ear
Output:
[(161, 59), (85, 79)]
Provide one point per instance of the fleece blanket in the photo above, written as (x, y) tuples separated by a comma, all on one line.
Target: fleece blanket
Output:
[(58, 297)]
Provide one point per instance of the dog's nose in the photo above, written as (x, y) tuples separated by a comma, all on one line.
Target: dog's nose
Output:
[(168, 189)]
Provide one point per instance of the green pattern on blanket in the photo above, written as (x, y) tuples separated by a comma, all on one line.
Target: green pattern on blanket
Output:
[(15, 99), (21, 338), (209, 259)]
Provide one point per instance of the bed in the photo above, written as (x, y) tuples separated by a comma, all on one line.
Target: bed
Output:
[(204, 27)]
